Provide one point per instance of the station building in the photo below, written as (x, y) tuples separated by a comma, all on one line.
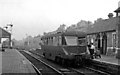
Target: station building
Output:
[(105, 34), (5, 34)]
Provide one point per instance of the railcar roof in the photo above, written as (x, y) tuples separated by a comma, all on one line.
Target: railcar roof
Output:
[(67, 33)]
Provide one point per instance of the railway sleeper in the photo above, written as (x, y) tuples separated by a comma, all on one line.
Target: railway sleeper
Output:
[(105, 69)]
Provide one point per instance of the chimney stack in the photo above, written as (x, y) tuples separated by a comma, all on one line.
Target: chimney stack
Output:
[(110, 15), (119, 4)]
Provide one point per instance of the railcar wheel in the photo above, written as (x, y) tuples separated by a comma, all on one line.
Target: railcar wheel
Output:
[(43, 54), (68, 62), (78, 61), (56, 59), (63, 61)]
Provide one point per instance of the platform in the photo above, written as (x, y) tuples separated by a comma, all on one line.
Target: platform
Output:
[(108, 59), (13, 62)]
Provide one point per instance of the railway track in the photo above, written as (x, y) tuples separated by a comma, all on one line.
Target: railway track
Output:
[(83, 71), (103, 67), (44, 68)]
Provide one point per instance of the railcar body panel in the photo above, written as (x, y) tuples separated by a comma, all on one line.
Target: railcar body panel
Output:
[(52, 51), (75, 49), (66, 52)]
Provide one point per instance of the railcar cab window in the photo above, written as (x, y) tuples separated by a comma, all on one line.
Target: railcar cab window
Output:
[(71, 40), (81, 41)]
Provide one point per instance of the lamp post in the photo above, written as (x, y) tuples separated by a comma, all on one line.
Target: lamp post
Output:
[(11, 25), (27, 42)]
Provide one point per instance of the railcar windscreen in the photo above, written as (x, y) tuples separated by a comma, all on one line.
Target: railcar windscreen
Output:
[(71, 40), (82, 41)]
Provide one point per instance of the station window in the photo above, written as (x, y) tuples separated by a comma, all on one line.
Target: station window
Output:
[(114, 39)]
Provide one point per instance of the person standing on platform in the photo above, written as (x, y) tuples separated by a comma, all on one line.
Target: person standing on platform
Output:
[(92, 48), (97, 53), (88, 48)]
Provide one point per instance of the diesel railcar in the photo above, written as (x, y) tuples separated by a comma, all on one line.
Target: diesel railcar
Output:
[(68, 47)]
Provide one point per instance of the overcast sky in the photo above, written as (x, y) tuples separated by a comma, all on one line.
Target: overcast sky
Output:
[(33, 17)]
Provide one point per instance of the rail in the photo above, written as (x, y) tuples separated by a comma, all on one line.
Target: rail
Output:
[(80, 72)]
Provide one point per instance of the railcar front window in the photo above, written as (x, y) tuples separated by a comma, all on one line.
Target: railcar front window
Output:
[(71, 40), (82, 41)]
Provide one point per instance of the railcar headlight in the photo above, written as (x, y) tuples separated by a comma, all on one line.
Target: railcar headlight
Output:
[(83, 53), (72, 53)]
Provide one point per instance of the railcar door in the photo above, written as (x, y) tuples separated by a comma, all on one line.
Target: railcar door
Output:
[(82, 44)]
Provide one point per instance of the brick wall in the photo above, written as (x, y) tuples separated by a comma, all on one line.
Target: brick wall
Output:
[(110, 49)]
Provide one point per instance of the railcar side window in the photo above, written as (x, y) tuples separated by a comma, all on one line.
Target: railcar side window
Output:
[(63, 41), (60, 40), (44, 41), (50, 41)]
